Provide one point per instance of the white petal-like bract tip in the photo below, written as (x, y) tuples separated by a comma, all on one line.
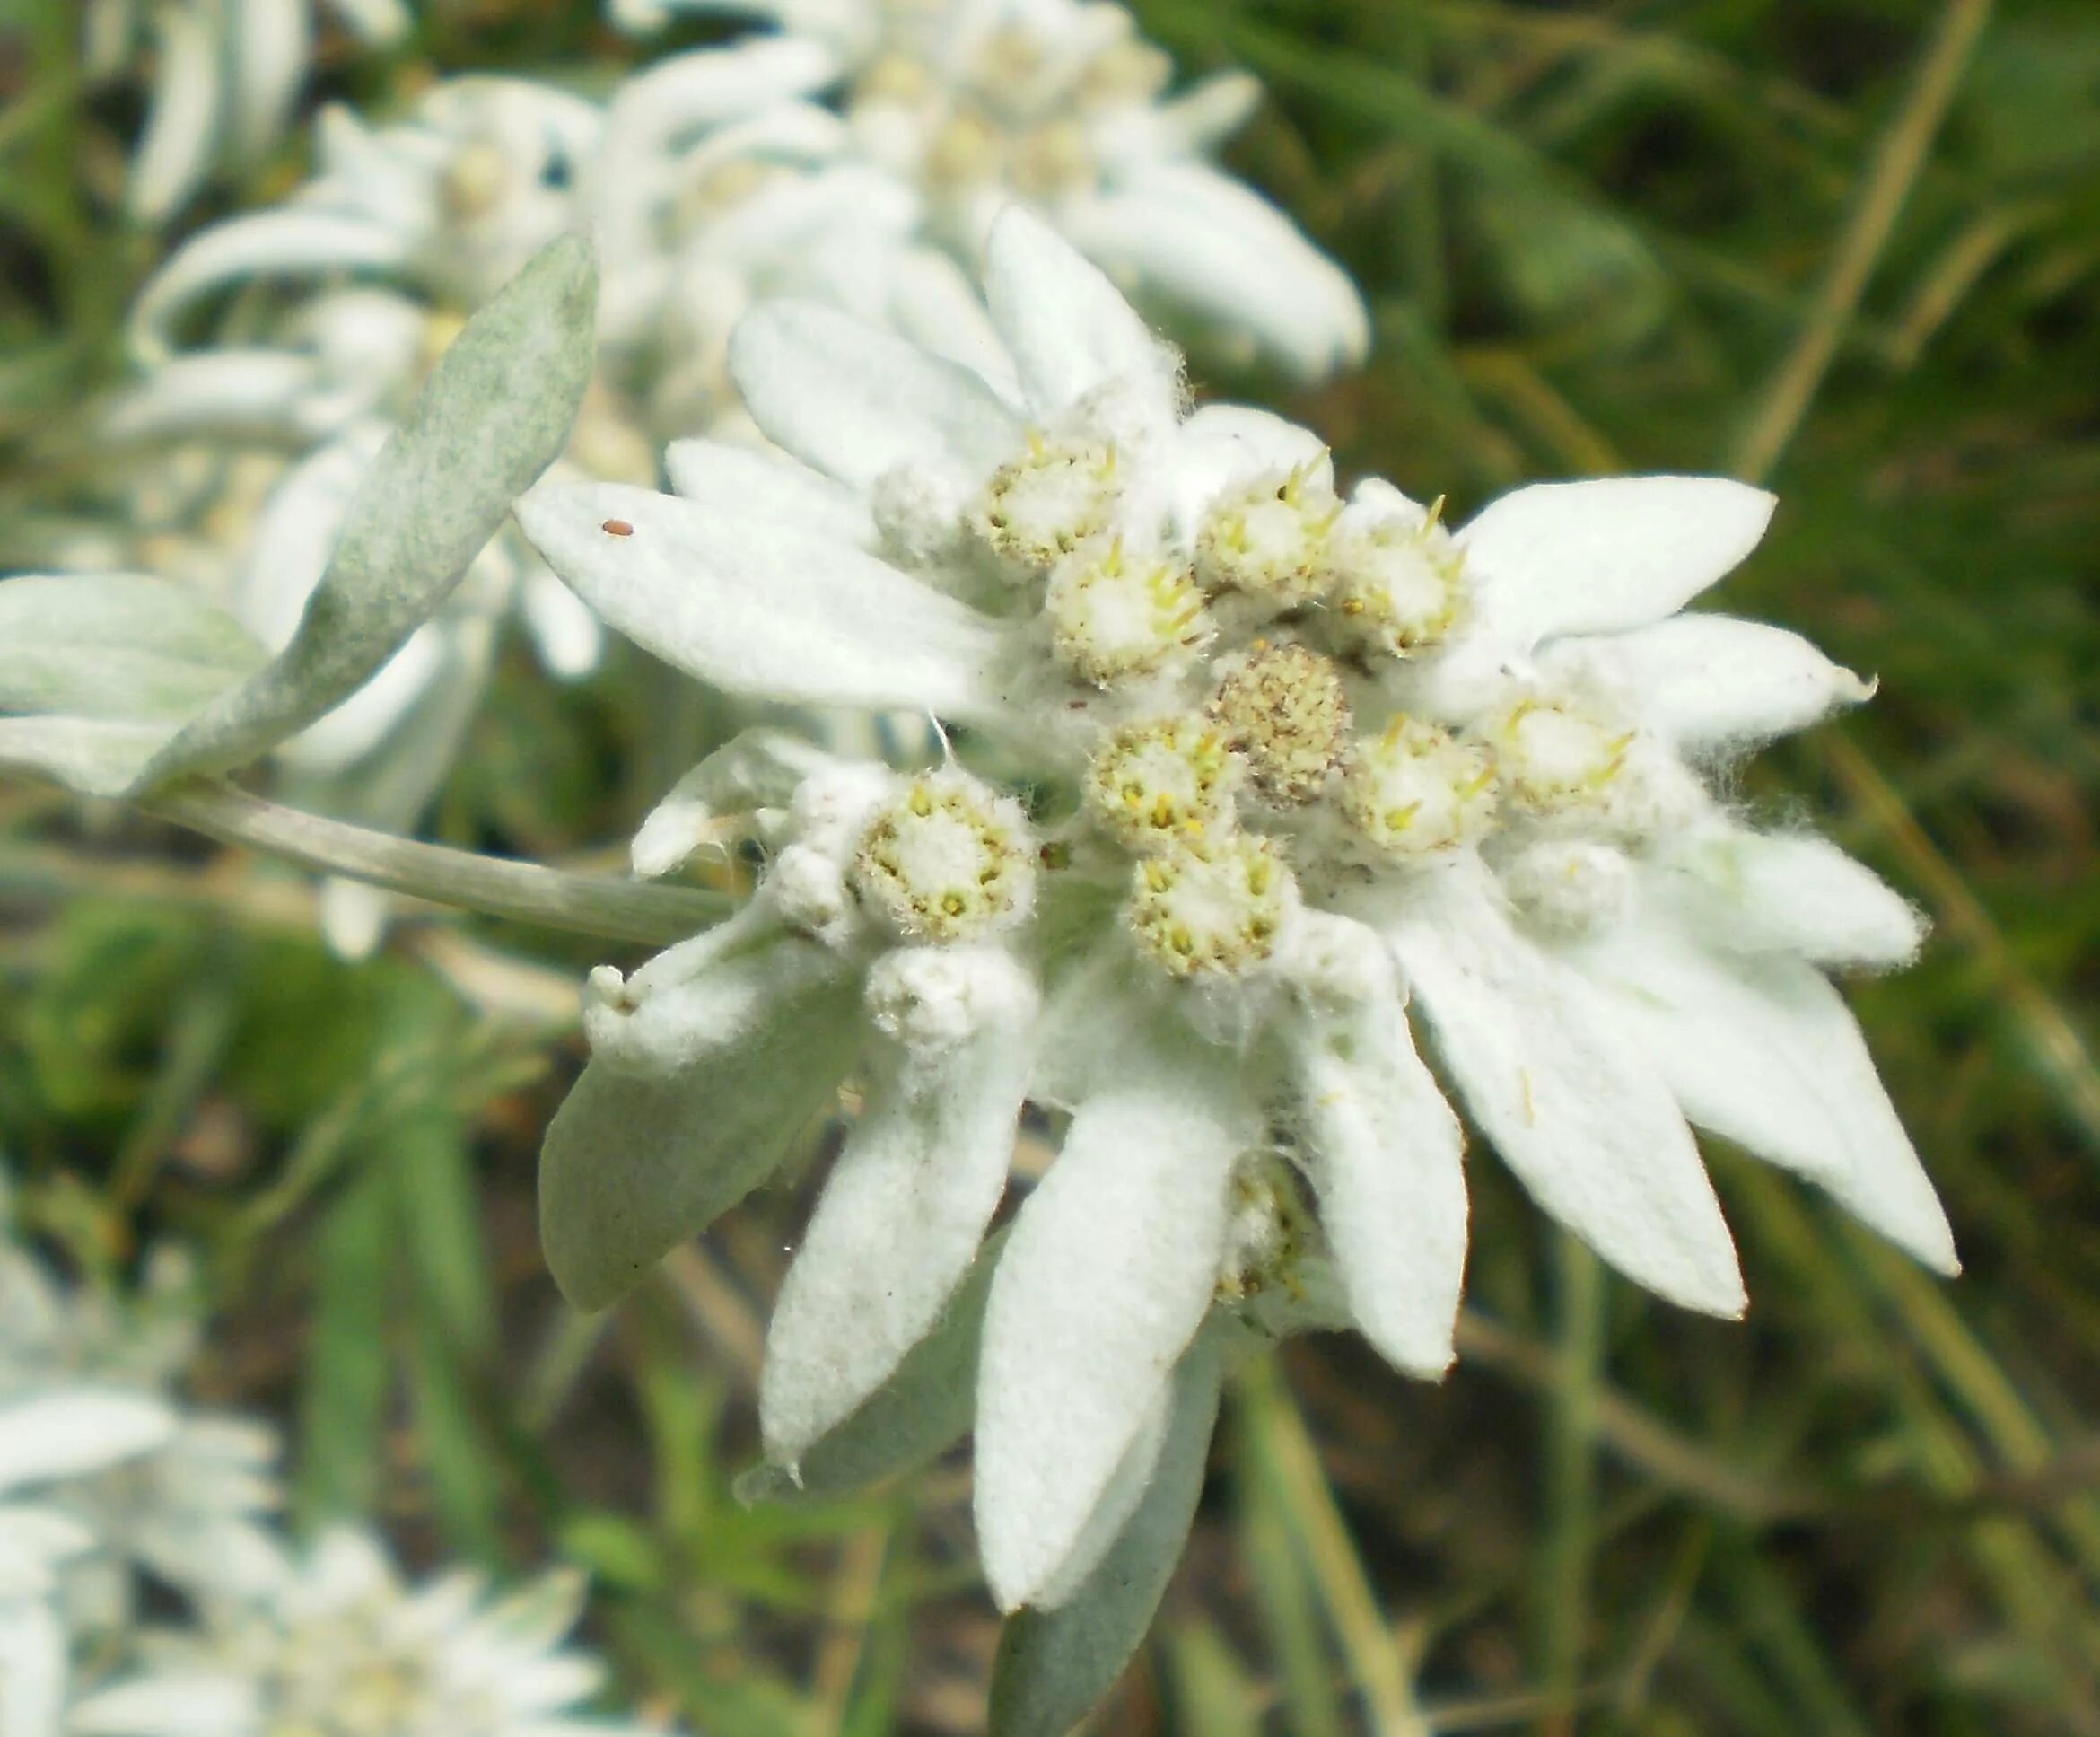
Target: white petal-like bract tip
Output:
[(1069, 329), (761, 607), (1603, 556), (1104, 1280), (906, 1205), (1574, 1109), (855, 402)]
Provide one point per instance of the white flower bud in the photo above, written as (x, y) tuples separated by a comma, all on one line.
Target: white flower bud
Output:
[(1415, 790), (1284, 709), (895, 77), (1047, 503), (1153, 784), (474, 182), (918, 516), (831, 807), (1564, 888), (808, 888), (1216, 911), (1131, 71), (1265, 1233), (947, 860), (965, 149), (1113, 614), (1269, 538), (1557, 755), (1396, 580), (1053, 161), (933, 998)]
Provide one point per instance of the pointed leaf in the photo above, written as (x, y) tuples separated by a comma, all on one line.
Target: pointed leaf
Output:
[(116, 645), (1574, 1109), (917, 1415), (1055, 1665), (495, 414), (906, 1205), (635, 1163), (1111, 1269)]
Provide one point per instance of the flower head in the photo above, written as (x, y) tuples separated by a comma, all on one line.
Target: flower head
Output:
[(1401, 773), (1063, 105), (342, 1646)]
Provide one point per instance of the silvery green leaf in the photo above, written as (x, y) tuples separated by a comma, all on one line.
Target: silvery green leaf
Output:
[(98, 757), (495, 414), (1055, 1665), (920, 1412), (633, 1163), (117, 646)]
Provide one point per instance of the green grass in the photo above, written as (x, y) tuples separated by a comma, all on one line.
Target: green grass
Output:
[(1853, 248)]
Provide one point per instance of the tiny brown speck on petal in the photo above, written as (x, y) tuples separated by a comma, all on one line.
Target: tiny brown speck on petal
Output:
[(617, 528)]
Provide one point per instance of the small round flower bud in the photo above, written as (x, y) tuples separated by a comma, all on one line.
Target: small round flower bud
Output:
[(1269, 538), (932, 999), (1156, 783), (1414, 790), (1053, 161), (1216, 910), (1047, 503), (474, 182), (964, 149), (947, 860), (1113, 614), (809, 889), (1564, 888), (1283, 708), (1555, 755), (1265, 1233), (917, 516), (1129, 71), (1395, 585), (895, 78)]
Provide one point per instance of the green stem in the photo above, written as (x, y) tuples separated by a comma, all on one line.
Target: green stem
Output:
[(522, 893), (1897, 162), (1571, 1484)]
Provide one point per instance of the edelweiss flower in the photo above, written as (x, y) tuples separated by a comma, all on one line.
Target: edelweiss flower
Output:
[(228, 73), (449, 203), (1293, 756), (878, 942), (342, 1647), (720, 184), (975, 104), (381, 756), (66, 1434), (184, 1494)]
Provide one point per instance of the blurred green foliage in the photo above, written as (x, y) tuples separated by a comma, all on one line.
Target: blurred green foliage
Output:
[(1851, 245)]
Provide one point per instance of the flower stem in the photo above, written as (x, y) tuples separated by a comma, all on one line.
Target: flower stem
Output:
[(1898, 161), (522, 893)]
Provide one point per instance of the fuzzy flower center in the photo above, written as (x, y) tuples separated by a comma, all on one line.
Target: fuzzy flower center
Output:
[(1284, 709), (1394, 586), (1415, 790), (1047, 503), (1156, 783), (1555, 755), (1114, 613), (946, 861), (1270, 539), (1215, 911)]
